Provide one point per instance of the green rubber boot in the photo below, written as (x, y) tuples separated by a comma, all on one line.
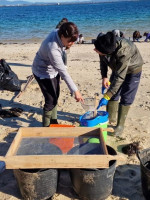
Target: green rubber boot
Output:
[(112, 109), (46, 118), (54, 116), (122, 115)]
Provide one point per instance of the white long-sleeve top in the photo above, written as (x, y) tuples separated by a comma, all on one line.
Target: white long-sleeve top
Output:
[(49, 60)]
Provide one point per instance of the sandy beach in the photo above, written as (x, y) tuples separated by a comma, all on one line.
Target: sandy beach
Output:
[(83, 65)]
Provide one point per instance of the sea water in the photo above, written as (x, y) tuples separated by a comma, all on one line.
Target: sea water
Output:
[(35, 22)]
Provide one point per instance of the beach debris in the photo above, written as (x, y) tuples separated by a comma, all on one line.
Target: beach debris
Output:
[(12, 112), (131, 149), (29, 81), (31, 114), (8, 79)]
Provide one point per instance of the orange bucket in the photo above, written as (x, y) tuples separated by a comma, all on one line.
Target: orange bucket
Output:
[(61, 125), (65, 144)]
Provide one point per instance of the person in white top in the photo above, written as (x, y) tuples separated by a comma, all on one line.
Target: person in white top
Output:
[(49, 65), (118, 33), (80, 39)]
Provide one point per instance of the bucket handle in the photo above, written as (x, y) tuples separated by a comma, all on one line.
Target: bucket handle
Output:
[(110, 173), (110, 129), (145, 153), (138, 155)]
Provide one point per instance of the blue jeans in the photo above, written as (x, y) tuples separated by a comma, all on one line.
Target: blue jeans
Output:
[(128, 89)]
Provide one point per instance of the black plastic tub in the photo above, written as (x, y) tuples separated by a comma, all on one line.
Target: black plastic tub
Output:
[(94, 184), (36, 184), (144, 157)]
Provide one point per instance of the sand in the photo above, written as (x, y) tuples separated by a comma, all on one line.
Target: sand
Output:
[(83, 65)]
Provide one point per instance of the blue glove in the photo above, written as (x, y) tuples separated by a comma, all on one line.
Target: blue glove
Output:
[(2, 166), (103, 89), (102, 102)]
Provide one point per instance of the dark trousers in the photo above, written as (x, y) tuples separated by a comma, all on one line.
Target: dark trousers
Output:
[(50, 89), (128, 89)]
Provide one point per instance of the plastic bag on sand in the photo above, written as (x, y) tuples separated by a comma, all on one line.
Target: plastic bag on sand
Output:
[(8, 79)]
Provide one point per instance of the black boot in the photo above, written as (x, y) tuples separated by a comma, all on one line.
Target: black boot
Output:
[(122, 114), (54, 121), (112, 109)]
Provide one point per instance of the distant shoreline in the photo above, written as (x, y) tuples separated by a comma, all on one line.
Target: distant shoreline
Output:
[(14, 4), (21, 41), (38, 41)]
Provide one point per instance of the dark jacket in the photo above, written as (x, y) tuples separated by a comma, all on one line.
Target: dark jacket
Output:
[(125, 60)]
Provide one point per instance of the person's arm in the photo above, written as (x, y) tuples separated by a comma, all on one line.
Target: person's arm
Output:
[(104, 70), (78, 96), (103, 66), (57, 62), (105, 80)]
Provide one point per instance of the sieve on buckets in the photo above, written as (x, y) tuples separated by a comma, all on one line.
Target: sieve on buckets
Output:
[(90, 106)]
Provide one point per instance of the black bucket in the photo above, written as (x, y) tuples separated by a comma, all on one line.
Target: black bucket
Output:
[(36, 184), (144, 157), (94, 184)]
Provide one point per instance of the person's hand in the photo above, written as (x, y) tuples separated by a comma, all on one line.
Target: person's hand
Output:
[(2, 166), (105, 83), (103, 87), (102, 102), (78, 97)]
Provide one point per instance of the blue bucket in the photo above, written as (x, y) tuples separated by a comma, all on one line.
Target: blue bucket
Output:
[(102, 117)]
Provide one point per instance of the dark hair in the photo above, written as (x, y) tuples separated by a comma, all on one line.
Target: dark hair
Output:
[(69, 30), (136, 35), (106, 43), (145, 34), (64, 20)]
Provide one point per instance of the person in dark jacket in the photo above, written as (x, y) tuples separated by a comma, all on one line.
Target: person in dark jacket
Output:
[(136, 36), (125, 61)]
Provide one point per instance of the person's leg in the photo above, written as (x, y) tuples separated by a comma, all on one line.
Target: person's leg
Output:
[(129, 88), (54, 116), (122, 114), (112, 109), (112, 106), (50, 90), (56, 82), (46, 118), (128, 92)]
